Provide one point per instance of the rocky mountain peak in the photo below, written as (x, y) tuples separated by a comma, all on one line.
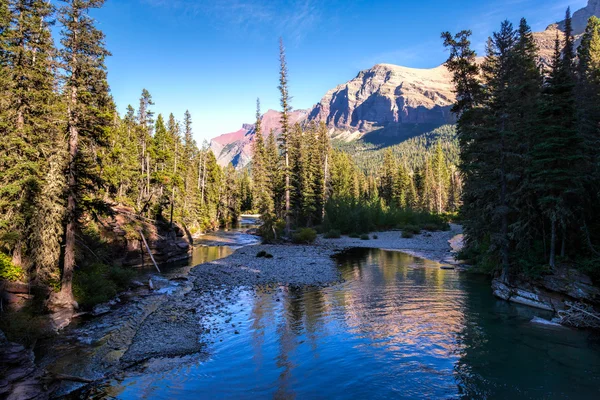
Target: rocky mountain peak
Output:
[(581, 17)]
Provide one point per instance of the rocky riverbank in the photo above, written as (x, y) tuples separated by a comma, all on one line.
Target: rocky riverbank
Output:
[(434, 246), (174, 317)]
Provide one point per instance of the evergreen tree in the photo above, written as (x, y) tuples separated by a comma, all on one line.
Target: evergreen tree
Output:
[(28, 114), (285, 131), (145, 124), (557, 148), (88, 117)]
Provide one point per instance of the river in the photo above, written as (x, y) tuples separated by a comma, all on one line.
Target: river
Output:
[(397, 327)]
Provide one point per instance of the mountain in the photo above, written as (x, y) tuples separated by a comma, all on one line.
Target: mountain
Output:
[(384, 105), (236, 147), (387, 98)]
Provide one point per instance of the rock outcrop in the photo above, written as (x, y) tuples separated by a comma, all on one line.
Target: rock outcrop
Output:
[(20, 378), (387, 95), (552, 292)]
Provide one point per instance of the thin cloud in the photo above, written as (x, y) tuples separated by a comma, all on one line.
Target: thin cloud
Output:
[(293, 19)]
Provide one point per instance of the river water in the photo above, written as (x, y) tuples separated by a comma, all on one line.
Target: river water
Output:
[(398, 327)]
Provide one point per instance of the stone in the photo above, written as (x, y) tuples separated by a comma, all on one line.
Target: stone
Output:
[(521, 296)]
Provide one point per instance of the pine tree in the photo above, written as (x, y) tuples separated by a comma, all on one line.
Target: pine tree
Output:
[(441, 179), (28, 111), (588, 105), (88, 116), (145, 125), (322, 172), (263, 193), (285, 131), (274, 174), (557, 149)]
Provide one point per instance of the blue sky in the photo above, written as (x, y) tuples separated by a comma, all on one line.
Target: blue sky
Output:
[(214, 57)]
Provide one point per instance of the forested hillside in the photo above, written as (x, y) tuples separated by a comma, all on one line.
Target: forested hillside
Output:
[(67, 156)]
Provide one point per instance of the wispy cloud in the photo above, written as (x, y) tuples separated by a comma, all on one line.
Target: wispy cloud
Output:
[(293, 18)]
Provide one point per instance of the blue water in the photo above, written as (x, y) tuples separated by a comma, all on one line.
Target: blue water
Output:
[(398, 327)]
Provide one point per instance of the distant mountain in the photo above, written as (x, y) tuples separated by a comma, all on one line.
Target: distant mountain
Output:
[(383, 105), (236, 147)]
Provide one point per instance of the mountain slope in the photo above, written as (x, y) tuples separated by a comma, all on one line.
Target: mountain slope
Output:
[(386, 104)]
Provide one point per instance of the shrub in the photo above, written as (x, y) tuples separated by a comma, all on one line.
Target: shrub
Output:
[(350, 215), (430, 227), (354, 235), (9, 271), (414, 229), (98, 283), (375, 237), (333, 234), (407, 234), (304, 236), (364, 237)]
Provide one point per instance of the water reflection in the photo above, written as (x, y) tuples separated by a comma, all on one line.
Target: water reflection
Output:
[(399, 327)]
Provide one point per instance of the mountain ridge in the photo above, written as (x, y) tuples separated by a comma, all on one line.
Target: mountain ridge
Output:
[(385, 103)]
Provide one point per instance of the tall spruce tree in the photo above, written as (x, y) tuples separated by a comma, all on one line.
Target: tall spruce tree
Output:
[(556, 152), (88, 116), (28, 115), (285, 131)]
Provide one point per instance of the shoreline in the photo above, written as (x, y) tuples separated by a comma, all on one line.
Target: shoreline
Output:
[(179, 322)]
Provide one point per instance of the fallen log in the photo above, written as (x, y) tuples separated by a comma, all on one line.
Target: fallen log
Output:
[(149, 251)]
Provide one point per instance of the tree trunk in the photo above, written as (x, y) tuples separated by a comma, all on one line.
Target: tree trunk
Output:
[(17, 255), (324, 200), (563, 247), (287, 192), (66, 290), (172, 206), (553, 243), (203, 180), (503, 202)]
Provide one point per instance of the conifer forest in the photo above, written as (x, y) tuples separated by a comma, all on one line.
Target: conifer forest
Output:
[(417, 233)]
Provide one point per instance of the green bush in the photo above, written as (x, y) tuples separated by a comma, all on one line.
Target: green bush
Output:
[(350, 215), (375, 237), (364, 237), (354, 235), (98, 283), (304, 236), (9, 271), (414, 229), (431, 227), (407, 234), (333, 234)]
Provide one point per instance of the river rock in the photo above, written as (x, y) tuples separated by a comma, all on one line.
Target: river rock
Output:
[(20, 378), (572, 283), (529, 296)]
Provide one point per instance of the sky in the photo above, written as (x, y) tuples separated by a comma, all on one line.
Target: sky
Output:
[(215, 57)]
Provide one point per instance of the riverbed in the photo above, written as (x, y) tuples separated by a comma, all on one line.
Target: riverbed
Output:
[(385, 324)]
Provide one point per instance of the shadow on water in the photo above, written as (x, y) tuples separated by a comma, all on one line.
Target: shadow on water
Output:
[(398, 327)]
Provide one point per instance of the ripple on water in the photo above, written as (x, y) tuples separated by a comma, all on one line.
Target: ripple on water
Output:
[(398, 327)]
